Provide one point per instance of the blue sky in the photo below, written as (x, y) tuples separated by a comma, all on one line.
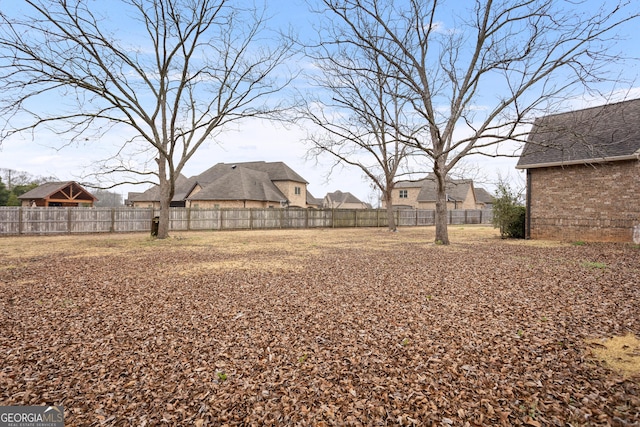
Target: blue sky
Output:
[(253, 140)]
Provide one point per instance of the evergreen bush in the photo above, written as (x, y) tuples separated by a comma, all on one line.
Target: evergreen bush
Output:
[(508, 213)]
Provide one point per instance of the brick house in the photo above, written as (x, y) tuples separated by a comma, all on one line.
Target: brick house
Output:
[(422, 194), (583, 174), (234, 185)]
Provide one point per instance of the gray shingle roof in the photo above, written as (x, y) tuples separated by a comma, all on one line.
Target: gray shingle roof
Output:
[(606, 132), (49, 188), (231, 190), (339, 198), (277, 171), (153, 194), (457, 189), (311, 200), (483, 195), (241, 183)]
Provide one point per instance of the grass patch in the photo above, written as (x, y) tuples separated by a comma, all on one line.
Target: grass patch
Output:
[(622, 354), (594, 265), (304, 241)]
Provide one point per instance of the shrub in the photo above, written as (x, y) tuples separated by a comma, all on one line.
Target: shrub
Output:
[(514, 227), (508, 214)]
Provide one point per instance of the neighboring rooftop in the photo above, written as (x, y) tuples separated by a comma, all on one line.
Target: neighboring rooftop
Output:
[(483, 196), (457, 189), (339, 199), (241, 183), (50, 188), (233, 181)]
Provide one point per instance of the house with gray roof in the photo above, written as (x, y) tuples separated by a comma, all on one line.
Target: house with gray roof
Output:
[(247, 185), (583, 174), (343, 200), (313, 202), (422, 194), (484, 197)]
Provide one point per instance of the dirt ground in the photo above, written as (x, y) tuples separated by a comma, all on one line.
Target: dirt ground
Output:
[(321, 327)]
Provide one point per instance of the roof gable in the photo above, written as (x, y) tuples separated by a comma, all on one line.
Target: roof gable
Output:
[(604, 133), (483, 196), (341, 198), (240, 183), (311, 200), (67, 191)]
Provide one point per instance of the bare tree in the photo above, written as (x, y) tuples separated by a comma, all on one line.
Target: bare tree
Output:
[(184, 71), (107, 199), (13, 178), (475, 72), (356, 110)]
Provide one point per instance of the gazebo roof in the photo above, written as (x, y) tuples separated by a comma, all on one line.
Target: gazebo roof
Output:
[(67, 192)]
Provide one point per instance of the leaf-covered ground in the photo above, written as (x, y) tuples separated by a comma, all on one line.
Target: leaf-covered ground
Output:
[(317, 327)]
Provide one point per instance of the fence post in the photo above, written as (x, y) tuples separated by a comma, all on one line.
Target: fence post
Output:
[(20, 222), (355, 217), (112, 227), (69, 220)]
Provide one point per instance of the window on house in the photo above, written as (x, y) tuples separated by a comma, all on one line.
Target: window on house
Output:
[(298, 191), (404, 194)]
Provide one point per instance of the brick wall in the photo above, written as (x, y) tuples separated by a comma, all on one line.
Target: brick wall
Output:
[(411, 199), (599, 202)]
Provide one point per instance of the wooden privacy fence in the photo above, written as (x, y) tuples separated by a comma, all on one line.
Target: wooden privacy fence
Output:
[(37, 220)]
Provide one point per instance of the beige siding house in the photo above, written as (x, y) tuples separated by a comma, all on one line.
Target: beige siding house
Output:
[(422, 194), (583, 174), (233, 185)]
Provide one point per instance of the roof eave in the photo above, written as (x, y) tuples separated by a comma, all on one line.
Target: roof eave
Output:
[(635, 156)]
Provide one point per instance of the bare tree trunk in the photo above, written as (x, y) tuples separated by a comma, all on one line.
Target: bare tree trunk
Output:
[(391, 219), (166, 194), (442, 232), (165, 202)]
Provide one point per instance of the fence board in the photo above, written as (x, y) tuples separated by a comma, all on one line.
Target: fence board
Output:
[(90, 220), (27, 220), (10, 220), (204, 219), (131, 220)]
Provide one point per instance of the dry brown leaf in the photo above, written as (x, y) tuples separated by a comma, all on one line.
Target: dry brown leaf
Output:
[(320, 327)]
